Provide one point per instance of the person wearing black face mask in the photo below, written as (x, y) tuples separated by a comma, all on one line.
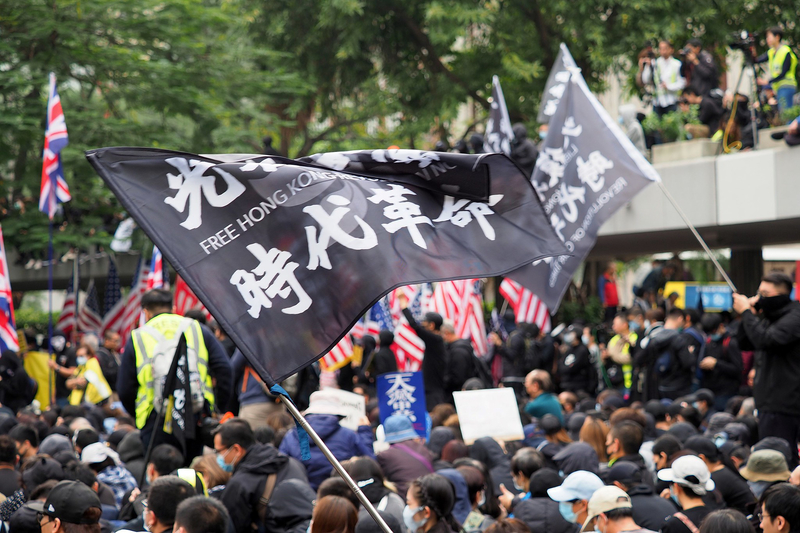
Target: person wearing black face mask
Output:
[(771, 327)]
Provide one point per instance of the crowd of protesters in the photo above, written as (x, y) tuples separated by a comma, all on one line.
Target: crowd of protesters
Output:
[(662, 419)]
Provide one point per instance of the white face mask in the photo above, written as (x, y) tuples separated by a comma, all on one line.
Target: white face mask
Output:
[(408, 519), (482, 499)]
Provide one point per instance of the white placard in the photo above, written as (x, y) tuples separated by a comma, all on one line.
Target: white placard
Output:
[(488, 413), (354, 405)]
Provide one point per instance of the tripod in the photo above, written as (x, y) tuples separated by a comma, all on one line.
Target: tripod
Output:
[(749, 61)]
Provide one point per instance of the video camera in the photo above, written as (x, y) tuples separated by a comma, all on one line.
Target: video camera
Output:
[(743, 40)]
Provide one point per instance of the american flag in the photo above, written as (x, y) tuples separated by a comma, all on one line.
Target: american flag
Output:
[(379, 318), (339, 356), (68, 317), (359, 329), (90, 317), (158, 278), (54, 187), (408, 348), (186, 300), (133, 305), (114, 305), (8, 332), (461, 302), (526, 305)]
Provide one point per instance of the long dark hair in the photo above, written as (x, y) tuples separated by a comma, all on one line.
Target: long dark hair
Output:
[(334, 514), (437, 493), (726, 521), (491, 507)]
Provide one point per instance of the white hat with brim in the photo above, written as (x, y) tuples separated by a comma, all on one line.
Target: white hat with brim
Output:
[(578, 485), (324, 403), (689, 466)]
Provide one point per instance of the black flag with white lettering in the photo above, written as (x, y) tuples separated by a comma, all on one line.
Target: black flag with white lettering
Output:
[(499, 132), (288, 254), (587, 169), (556, 84)]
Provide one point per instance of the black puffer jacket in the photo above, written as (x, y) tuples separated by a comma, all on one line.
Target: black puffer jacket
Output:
[(776, 341), (246, 485), (539, 512), (649, 509)]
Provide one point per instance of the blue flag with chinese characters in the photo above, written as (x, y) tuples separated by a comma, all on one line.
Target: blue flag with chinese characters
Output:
[(288, 254), (403, 393)]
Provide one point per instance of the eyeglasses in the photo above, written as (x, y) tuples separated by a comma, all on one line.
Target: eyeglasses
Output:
[(40, 516), (760, 515)]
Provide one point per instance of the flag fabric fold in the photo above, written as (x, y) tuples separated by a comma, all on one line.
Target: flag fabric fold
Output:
[(133, 303), (527, 306), (90, 318), (555, 85), (499, 132), (289, 254), (8, 331)]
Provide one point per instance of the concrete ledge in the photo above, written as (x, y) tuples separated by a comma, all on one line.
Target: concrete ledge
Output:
[(683, 150)]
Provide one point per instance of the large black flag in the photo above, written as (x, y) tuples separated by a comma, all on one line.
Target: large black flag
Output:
[(499, 132), (288, 254), (587, 170), (556, 84)]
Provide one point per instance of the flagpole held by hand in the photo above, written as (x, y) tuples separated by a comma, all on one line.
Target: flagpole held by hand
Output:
[(336, 464)]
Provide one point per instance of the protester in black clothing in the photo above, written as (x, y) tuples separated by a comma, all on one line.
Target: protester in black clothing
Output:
[(460, 360), (575, 364), (731, 486), (109, 358), (268, 148), (779, 509), (771, 327), (523, 152), (721, 365), (689, 481), (385, 360), (522, 352), (476, 143), (709, 112), (676, 366), (623, 443), (649, 509), (434, 365), (699, 68), (9, 477)]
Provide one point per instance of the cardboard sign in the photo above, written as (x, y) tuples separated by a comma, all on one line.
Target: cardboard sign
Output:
[(488, 413), (354, 405), (404, 393)]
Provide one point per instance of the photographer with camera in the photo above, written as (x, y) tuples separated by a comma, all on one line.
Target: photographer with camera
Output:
[(782, 66), (665, 75), (710, 110), (699, 68)]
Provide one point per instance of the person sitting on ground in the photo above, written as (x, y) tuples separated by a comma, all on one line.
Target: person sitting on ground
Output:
[(731, 486), (70, 507), (573, 495), (429, 506), (200, 514), (649, 509), (334, 514), (689, 480), (407, 457), (539, 386), (106, 464), (727, 521), (166, 493), (611, 511), (779, 509)]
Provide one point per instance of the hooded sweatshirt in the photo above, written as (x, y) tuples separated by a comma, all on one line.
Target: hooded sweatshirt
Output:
[(344, 443), (246, 486), (631, 126), (489, 452)]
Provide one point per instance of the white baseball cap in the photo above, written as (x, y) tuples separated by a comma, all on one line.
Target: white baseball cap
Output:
[(689, 471)]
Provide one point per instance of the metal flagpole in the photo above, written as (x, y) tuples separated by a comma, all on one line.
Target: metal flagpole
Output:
[(50, 313), (336, 464), (697, 236)]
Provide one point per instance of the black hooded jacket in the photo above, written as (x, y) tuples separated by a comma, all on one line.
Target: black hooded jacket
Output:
[(246, 486), (775, 337), (489, 452), (649, 509), (539, 512), (385, 361), (460, 365)]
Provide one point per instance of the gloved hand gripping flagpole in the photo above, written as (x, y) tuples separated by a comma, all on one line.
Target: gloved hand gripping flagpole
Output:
[(287, 401), (697, 236)]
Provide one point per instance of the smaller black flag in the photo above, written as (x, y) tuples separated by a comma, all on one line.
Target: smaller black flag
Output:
[(177, 395), (499, 132)]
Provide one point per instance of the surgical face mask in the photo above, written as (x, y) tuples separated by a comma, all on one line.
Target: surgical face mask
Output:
[(82, 361), (222, 464), (482, 501), (569, 338), (565, 508), (542, 135), (586, 339), (408, 519), (646, 324), (674, 496), (144, 520), (517, 486), (696, 405), (716, 337), (621, 121), (633, 326)]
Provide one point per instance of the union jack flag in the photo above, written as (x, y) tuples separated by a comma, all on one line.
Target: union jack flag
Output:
[(114, 304), (90, 317), (8, 332), (158, 278), (68, 318), (54, 187), (526, 305)]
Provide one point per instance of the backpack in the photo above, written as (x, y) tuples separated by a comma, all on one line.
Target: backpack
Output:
[(161, 360)]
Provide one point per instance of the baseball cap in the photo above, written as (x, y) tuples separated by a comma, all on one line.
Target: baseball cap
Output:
[(689, 471), (68, 501), (606, 499), (625, 472), (579, 485)]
